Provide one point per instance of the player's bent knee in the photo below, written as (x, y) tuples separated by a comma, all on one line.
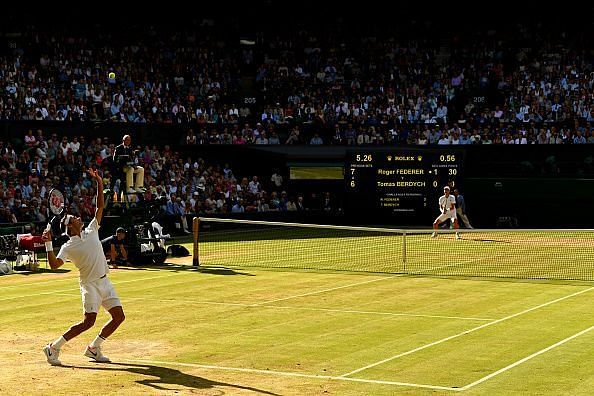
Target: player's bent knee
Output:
[(87, 324), (119, 317), (117, 314)]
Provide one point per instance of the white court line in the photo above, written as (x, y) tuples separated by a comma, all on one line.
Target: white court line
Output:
[(150, 278), (266, 372), (488, 377), (291, 374), (40, 283), (323, 291), (379, 313), (43, 282), (158, 299), (70, 289), (464, 333), (28, 295), (354, 311)]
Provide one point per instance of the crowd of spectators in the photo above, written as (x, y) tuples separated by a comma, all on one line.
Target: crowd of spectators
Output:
[(189, 186), (328, 84), (176, 77), (517, 86), (313, 86)]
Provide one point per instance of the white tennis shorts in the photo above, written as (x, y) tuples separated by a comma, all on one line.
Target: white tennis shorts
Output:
[(99, 293), (450, 214)]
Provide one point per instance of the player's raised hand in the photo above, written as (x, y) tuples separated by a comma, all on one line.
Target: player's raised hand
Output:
[(94, 174), (46, 236)]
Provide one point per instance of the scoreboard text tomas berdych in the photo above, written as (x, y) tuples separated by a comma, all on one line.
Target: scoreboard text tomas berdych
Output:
[(400, 181)]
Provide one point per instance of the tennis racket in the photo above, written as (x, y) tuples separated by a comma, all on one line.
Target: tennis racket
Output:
[(56, 206)]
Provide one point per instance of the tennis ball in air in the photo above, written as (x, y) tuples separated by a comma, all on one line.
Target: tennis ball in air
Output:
[(111, 75)]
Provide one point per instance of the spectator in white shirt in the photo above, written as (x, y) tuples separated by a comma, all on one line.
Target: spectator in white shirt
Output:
[(445, 139), (316, 140), (254, 185)]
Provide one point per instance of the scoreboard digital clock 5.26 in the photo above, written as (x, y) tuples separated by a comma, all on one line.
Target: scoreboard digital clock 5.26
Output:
[(400, 181)]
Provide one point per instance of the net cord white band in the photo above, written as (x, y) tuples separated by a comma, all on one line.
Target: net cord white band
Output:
[(387, 230)]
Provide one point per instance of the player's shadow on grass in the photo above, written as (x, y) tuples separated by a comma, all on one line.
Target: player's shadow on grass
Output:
[(222, 271), (165, 375), (41, 271), (180, 268), (132, 268), (205, 270)]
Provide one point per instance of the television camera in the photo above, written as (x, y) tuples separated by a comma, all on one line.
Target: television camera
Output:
[(145, 241)]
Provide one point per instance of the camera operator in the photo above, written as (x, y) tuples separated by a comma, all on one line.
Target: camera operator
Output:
[(115, 249)]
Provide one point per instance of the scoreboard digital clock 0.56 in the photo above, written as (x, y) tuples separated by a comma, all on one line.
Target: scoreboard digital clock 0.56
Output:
[(400, 181)]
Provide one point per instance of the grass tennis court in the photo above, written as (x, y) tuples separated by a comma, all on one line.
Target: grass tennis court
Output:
[(249, 330)]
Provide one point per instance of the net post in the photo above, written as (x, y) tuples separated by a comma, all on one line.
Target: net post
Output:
[(195, 227), (404, 251)]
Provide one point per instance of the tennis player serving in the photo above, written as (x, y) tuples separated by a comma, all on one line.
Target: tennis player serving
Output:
[(447, 207), (85, 251)]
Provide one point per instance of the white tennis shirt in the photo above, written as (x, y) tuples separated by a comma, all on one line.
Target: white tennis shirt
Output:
[(86, 252), (446, 203)]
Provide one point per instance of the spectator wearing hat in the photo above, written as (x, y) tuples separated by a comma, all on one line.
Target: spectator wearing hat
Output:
[(194, 198)]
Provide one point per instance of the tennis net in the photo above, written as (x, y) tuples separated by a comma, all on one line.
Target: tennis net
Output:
[(526, 254)]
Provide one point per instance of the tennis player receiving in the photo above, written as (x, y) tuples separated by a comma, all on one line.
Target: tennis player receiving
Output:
[(447, 207), (85, 251)]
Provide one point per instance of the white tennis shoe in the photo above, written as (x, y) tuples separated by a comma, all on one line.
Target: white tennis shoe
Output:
[(52, 354), (96, 354)]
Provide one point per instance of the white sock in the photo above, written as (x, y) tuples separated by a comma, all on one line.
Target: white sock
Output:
[(97, 341), (59, 342)]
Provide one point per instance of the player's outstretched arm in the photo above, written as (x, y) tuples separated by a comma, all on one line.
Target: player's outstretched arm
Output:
[(100, 201)]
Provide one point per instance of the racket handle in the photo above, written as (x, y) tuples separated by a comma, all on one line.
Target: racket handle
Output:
[(48, 227)]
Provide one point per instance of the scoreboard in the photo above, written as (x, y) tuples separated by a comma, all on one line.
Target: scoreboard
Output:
[(400, 182)]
